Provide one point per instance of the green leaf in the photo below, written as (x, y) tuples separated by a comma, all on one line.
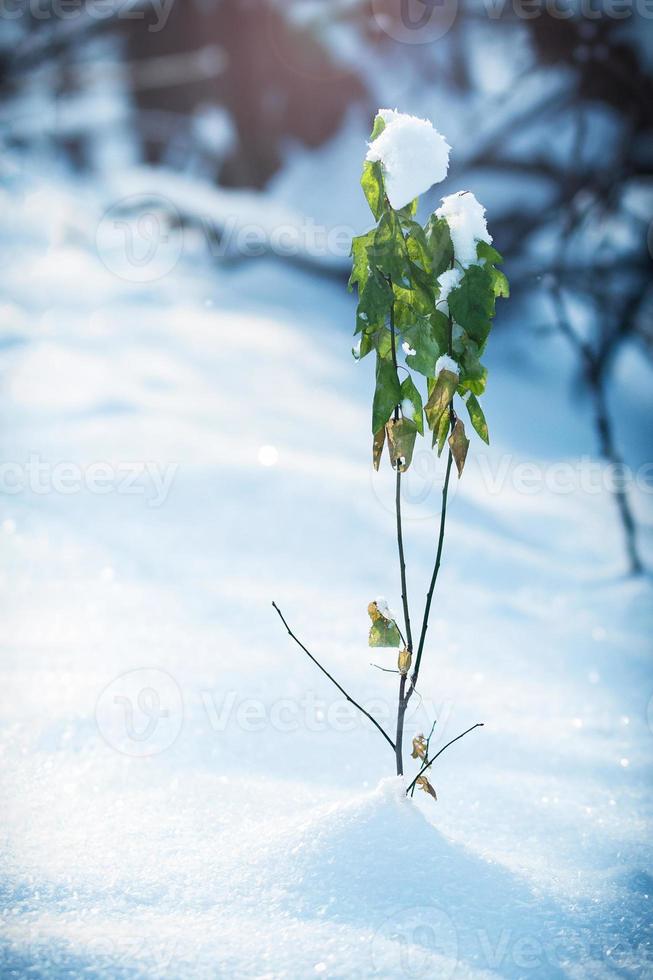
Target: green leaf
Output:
[(473, 375), (477, 418), (378, 127), (417, 245), (491, 258), (410, 393), (440, 246), (383, 342), (401, 442), (387, 393), (373, 188), (486, 251), (471, 304), (440, 398), (428, 338), (388, 254), (384, 633), (374, 302), (360, 266), (408, 210)]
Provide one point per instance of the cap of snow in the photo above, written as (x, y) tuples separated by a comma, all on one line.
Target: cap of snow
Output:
[(445, 363), (384, 609), (412, 153), (466, 220), (448, 281)]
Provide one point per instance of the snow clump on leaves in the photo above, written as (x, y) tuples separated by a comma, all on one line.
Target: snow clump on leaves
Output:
[(413, 156)]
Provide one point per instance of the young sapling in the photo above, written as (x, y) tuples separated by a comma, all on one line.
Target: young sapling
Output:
[(426, 300)]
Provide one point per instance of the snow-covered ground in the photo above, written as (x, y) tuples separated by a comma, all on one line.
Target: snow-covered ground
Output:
[(184, 795)]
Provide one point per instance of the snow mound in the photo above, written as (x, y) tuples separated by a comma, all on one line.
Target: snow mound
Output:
[(466, 219), (413, 155), (375, 866)]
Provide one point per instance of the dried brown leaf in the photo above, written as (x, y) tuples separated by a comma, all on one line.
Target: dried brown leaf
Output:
[(419, 747), (459, 444), (401, 442), (404, 661), (424, 784)]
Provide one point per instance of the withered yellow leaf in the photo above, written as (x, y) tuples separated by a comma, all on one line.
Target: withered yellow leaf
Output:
[(401, 442), (440, 398), (424, 784), (404, 661), (419, 747), (377, 447), (373, 612), (459, 444)]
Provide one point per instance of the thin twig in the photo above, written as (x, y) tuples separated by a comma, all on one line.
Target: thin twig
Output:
[(427, 765), (386, 670), (443, 519), (408, 643), (434, 576), (332, 679)]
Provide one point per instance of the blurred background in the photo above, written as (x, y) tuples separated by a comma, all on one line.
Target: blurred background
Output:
[(226, 132), (185, 437)]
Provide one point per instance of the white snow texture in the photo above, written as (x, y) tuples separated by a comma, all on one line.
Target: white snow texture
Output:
[(466, 219), (413, 155), (445, 363)]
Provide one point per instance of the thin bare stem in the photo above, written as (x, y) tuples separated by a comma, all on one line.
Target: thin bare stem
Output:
[(434, 576), (408, 642), (332, 679), (428, 764), (443, 519)]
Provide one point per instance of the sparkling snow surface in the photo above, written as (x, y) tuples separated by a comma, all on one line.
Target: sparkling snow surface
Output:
[(184, 795)]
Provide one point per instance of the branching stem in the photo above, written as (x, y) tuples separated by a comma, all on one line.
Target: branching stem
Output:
[(428, 764), (332, 679)]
